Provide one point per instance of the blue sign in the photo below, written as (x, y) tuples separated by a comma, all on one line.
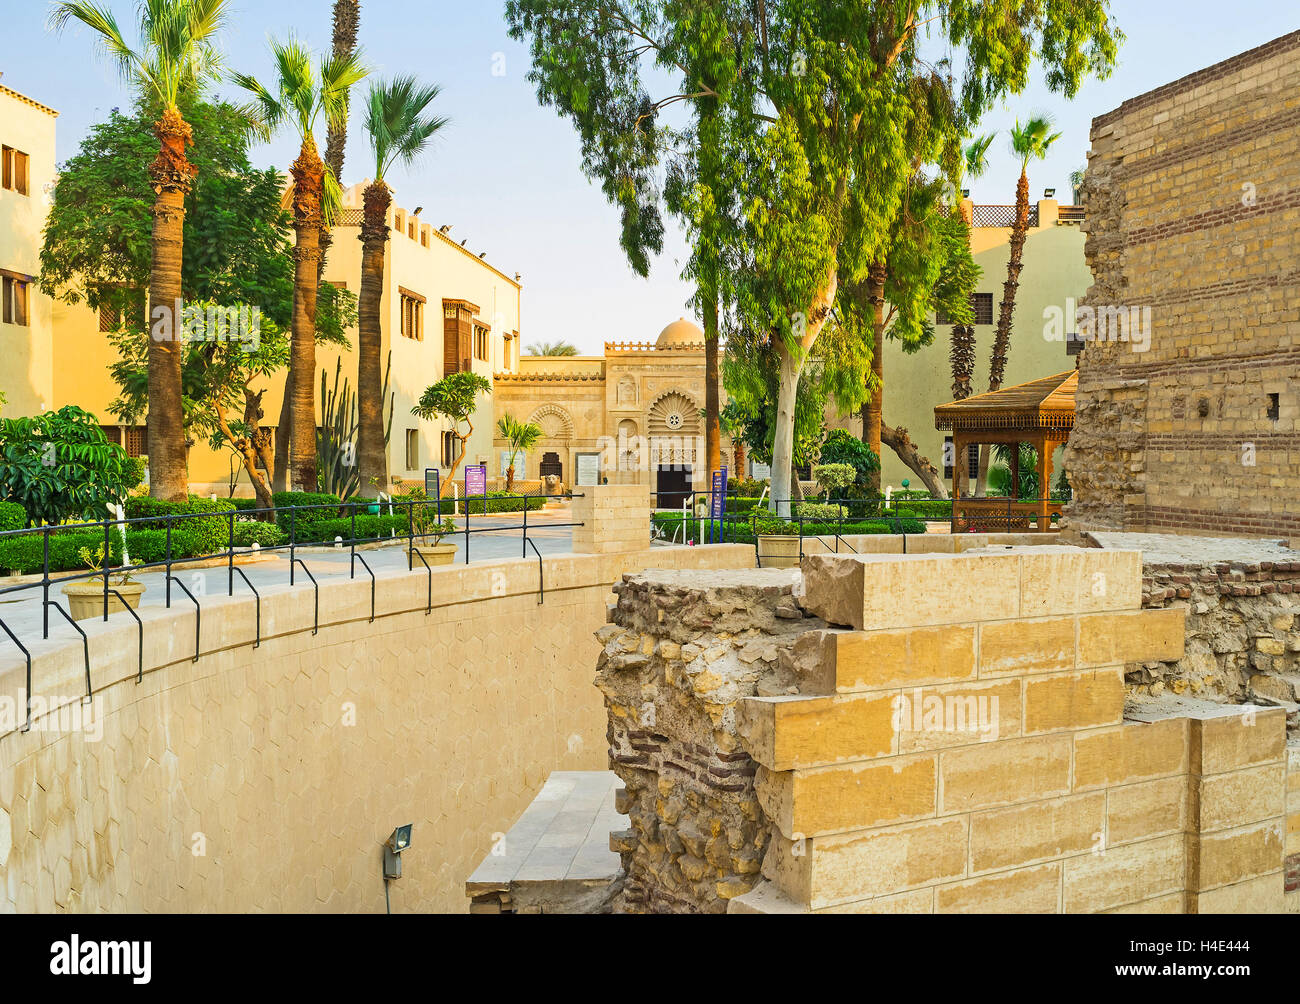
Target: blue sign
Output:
[(718, 505)]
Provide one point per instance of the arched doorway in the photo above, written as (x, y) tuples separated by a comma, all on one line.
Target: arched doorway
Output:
[(551, 464)]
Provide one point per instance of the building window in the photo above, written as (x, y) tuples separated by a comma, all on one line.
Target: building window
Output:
[(14, 294), (109, 317), (947, 457), (14, 166), (480, 343), (981, 305), (412, 317), (449, 444), (973, 461), (412, 449), (137, 441), (399, 221)]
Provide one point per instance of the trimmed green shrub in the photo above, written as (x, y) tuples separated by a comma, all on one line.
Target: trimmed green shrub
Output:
[(820, 510), (306, 523), (249, 532), (12, 516), (480, 505), (25, 554), (211, 532), (367, 527), (935, 509)]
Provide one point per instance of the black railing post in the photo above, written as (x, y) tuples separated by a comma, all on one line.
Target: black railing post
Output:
[(45, 586), (467, 524), (525, 544), (293, 537), (167, 559), (108, 560), (230, 567), (352, 546)]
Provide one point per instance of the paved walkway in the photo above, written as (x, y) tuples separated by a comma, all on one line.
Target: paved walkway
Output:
[(1176, 549)]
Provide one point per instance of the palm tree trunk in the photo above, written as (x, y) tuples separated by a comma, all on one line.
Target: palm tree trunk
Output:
[(998, 366), (712, 418), (171, 175), (371, 454), (308, 173), (873, 410), (347, 17), (1002, 340)]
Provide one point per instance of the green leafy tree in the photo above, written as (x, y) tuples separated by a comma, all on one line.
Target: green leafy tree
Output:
[(400, 129), (304, 93), (454, 399), (814, 104), (520, 437), (58, 465), (842, 447), (175, 54)]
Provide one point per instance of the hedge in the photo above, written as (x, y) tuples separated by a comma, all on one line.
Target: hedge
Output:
[(12, 516), (249, 532), (367, 527), (306, 524), (25, 554), (740, 530), (212, 532)]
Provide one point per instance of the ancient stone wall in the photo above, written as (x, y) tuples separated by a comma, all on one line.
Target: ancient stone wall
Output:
[(1243, 631), (932, 733), (1192, 197)]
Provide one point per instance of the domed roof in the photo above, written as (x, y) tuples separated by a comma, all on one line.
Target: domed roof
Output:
[(680, 332)]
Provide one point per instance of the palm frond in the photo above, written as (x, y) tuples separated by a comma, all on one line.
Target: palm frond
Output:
[(976, 152), (397, 123), (100, 20)]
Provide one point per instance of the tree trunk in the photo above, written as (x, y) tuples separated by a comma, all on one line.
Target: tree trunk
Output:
[(712, 422), (371, 453), (171, 175), (783, 439), (963, 360), (873, 410), (347, 17), (280, 482), (308, 173), (1002, 340), (901, 443)]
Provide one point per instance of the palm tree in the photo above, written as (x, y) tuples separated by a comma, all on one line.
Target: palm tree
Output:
[(963, 335), (1076, 184), (1029, 142), (520, 437), (303, 95), (347, 18), (550, 349), (399, 131), (175, 54)]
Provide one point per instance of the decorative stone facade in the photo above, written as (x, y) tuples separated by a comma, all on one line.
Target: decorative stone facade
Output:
[(634, 415), (1192, 206)]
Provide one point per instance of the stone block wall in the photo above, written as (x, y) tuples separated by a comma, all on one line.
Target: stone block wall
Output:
[(1192, 201), (615, 519), (925, 733)]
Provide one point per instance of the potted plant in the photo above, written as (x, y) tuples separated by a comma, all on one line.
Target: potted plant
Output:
[(427, 530), (778, 542), (86, 599)]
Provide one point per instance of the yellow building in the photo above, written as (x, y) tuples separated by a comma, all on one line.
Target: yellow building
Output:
[(444, 309), (634, 415), (26, 322), (1054, 272)]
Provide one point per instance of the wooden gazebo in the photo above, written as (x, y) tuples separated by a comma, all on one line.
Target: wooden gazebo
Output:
[(1041, 413)]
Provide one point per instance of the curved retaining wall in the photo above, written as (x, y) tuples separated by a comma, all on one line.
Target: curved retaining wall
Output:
[(266, 779)]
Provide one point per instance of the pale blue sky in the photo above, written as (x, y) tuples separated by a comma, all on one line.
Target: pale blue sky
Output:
[(505, 173)]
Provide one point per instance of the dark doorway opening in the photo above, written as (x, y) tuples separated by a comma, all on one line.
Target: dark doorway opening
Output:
[(674, 487), (550, 465)]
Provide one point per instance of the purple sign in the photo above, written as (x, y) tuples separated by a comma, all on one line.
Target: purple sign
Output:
[(475, 480)]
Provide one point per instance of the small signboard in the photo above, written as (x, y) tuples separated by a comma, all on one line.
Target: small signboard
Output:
[(432, 482), (718, 502), (520, 463), (760, 472), (588, 469), (475, 480)]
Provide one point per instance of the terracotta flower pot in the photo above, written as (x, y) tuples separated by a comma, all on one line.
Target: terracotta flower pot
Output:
[(86, 599), (778, 550), (435, 554)]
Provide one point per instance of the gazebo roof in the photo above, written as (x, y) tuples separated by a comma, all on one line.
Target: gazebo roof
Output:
[(1042, 405)]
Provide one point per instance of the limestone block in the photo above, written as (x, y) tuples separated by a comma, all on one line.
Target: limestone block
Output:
[(855, 796), (1140, 636), (1074, 700), (1026, 890), (1129, 753), (1020, 647), (1002, 773), (1039, 831)]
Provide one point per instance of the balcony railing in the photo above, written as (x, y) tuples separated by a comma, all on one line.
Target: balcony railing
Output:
[(1000, 216)]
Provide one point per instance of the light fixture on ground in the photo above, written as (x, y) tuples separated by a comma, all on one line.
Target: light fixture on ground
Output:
[(398, 841)]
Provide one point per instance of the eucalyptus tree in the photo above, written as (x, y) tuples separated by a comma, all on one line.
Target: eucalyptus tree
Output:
[(814, 100), (400, 128), (175, 53), (304, 93)]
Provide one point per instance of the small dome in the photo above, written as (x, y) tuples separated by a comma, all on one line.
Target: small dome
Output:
[(680, 332)]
